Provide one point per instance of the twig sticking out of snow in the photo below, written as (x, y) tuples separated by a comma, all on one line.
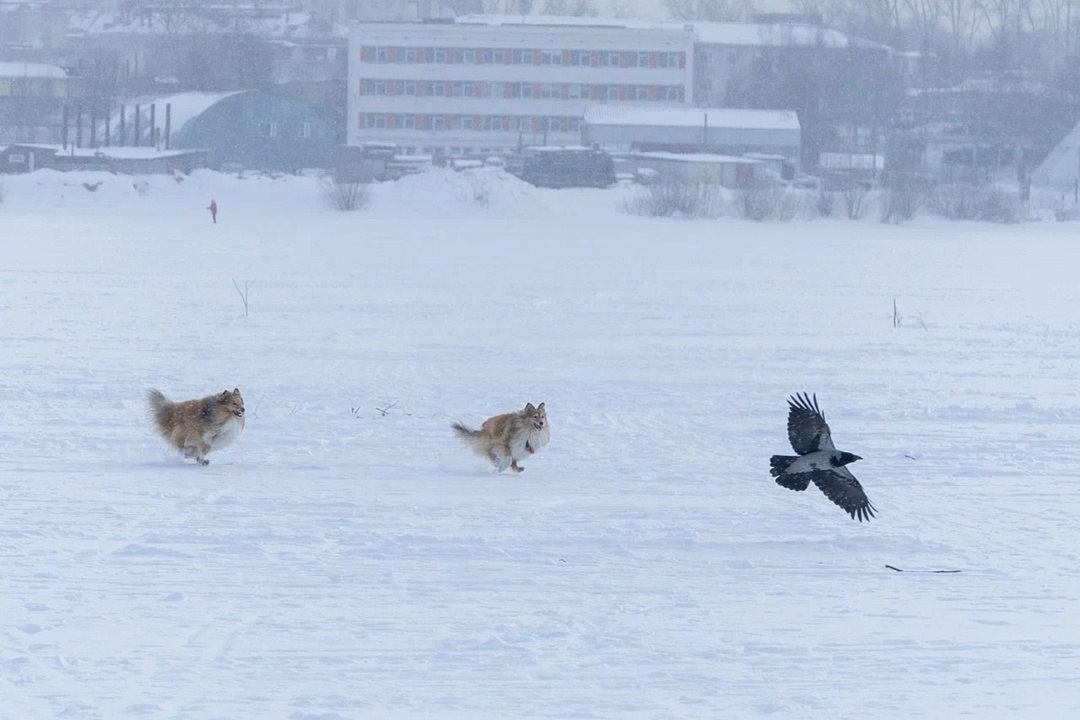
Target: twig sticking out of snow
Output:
[(893, 567)]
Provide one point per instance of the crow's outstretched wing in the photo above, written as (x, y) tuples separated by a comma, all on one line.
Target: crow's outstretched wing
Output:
[(806, 426), (840, 486), (794, 482)]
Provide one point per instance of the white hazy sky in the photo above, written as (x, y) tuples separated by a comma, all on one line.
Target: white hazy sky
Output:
[(658, 8)]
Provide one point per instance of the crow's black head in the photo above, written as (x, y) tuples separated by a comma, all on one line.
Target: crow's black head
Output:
[(843, 458)]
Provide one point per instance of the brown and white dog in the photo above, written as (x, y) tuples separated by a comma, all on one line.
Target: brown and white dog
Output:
[(509, 438), (197, 427)]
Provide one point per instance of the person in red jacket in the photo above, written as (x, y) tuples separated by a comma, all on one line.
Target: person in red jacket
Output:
[(213, 211)]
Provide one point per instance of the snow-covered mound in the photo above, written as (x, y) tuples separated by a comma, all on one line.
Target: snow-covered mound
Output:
[(485, 191)]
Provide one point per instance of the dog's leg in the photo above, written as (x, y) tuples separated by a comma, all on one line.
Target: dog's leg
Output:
[(515, 467)]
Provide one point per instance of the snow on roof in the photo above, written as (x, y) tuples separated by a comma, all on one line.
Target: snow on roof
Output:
[(221, 21), (696, 157), (187, 106), (30, 69), (1060, 167), (117, 152), (710, 33), (569, 21), (183, 107), (692, 117), (775, 34), (557, 148)]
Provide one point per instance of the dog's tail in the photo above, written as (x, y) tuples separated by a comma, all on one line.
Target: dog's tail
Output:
[(162, 410), (465, 433), (473, 438)]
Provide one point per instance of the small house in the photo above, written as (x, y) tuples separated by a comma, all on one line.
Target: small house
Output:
[(22, 158), (723, 131), (724, 170)]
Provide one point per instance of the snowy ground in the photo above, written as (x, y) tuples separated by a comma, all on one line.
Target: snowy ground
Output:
[(343, 561)]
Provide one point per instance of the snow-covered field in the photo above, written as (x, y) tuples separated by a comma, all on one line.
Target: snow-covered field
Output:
[(348, 558)]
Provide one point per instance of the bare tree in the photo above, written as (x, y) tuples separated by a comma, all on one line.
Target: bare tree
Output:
[(468, 7), (1005, 20), (716, 10), (925, 18), (879, 20), (573, 8), (962, 22)]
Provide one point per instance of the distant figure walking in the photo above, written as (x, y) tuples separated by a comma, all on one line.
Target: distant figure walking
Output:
[(213, 211)]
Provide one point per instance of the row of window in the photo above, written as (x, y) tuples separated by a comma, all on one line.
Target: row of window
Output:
[(507, 123), (457, 151), (270, 129), (484, 89), (508, 56)]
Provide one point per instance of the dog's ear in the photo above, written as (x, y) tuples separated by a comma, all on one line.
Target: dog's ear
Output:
[(224, 395), (540, 407), (236, 391), (529, 409)]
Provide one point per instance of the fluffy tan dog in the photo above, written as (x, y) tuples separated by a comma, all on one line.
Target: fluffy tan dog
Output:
[(196, 427), (509, 438)]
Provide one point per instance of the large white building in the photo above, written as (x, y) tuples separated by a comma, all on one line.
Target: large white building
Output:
[(486, 84)]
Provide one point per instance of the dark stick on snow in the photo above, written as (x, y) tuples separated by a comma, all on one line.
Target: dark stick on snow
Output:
[(893, 567)]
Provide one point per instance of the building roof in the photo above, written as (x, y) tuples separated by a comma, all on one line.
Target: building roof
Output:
[(1061, 167), (31, 69), (183, 107), (697, 158), (115, 152), (265, 21), (568, 21), (692, 117), (710, 33), (776, 34)]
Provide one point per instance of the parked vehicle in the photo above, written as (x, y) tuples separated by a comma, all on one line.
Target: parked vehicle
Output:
[(561, 167)]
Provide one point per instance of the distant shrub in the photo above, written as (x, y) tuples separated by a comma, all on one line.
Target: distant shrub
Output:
[(346, 196), (480, 189), (766, 200), (668, 197), (824, 203), (964, 201), (903, 197), (855, 201)]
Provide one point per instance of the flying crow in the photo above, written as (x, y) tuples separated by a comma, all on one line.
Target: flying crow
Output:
[(818, 460)]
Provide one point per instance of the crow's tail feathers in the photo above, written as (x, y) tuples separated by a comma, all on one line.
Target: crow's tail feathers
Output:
[(778, 464)]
